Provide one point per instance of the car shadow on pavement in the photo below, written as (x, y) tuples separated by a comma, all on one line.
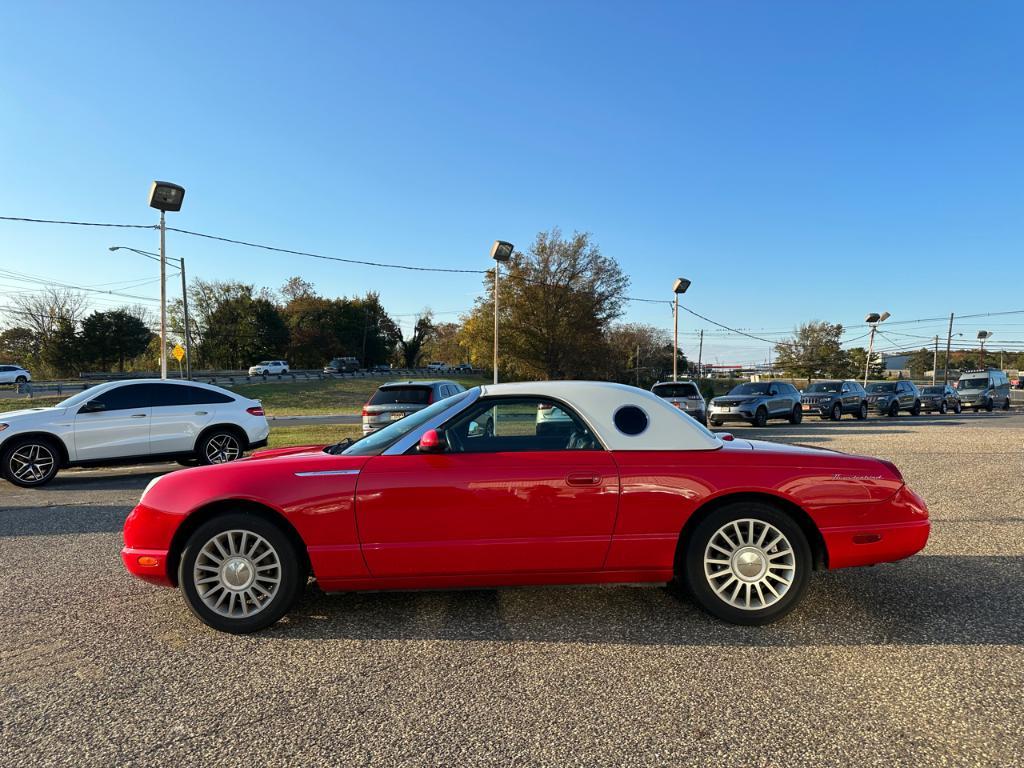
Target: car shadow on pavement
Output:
[(926, 600), (61, 520)]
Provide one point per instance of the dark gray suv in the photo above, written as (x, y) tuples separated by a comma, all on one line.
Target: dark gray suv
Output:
[(890, 397), (831, 399), (941, 398), (756, 403), (685, 396)]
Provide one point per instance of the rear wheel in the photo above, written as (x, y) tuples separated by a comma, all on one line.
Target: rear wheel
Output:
[(989, 405), (30, 462), (747, 563), (219, 447), (760, 417), (20, 380), (239, 573)]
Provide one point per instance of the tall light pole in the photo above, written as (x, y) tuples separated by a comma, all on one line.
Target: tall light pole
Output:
[(935, 359), (500, 251), (164, 196), (983, 336), (184, 299), (678, 287), (873, 319)]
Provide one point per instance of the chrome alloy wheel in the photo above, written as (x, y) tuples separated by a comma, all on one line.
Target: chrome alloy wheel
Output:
[(32, 463), (223, 448), (750, 564), (237, 574)]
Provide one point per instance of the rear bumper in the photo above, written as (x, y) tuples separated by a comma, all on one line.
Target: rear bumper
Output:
[(902, 531), (147, 564), (254, 444)]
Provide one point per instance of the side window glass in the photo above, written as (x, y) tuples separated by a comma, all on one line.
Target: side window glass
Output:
[(124, 398), (200, 396), (516, 425)]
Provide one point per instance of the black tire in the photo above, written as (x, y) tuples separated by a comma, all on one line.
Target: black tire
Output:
[(942, 407), (289, 571), (957, 408), (193, 462), (1006, 404), (265, 374), (30, 462), (916, 409), (837, 412), (715, 422), (862, 412), (989, 405), (698, 582), (21, 380), (760, 417), (894, 409), (797, 415), (220, 446)]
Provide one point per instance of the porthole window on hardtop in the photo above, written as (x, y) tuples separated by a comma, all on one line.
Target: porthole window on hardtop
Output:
[(630, 420)]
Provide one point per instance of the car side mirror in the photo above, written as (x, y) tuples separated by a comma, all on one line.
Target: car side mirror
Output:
[(92, 406), (432, 441)]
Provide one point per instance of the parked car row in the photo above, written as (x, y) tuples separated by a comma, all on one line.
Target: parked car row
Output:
[(759, 402)]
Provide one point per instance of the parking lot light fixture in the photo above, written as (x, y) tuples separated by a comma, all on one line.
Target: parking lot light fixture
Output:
[(983, 336), (678, 287), (500, 251), (873, 319), (164, 196)]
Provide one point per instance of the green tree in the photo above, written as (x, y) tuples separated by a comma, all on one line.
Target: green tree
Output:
[(19, 345), (113, 337), (61, 350), (412, 348), (856, 360), (639, 354), (557, 302), (813, 351)]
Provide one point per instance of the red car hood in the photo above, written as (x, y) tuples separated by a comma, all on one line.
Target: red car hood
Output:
[(273, 453)]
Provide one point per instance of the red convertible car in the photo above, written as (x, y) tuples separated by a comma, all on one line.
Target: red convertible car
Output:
[(516, 484)]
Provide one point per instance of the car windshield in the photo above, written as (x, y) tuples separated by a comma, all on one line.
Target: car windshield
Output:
[(933, 390), (882, 387), (750, 389), (395, 395), (826, 386), (976, 383), (676, 390), (377, 442), (264, 362)]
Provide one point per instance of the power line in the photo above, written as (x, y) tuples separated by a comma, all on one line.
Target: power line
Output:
[(78, 223)]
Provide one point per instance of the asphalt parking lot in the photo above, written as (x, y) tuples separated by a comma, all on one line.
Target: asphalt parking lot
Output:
[(914, 663)]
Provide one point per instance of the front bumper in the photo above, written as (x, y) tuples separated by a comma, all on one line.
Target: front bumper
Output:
[(880, 406), (147, 564), (735, 413)]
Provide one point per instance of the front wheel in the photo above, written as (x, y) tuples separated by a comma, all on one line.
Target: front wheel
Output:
[(797, 414), (30, 462), (916, 409), (715, 422), (239, 573), (862, 412), (942, 407), (957, 408), (1006, 404), (894, 409), (747, 563), (760, 417), (837, 412)]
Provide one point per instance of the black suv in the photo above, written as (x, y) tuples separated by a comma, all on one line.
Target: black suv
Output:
[(831, 399), (941, 398), (890, 397)]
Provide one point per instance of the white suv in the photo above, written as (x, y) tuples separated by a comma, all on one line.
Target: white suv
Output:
[(128, 422), (268, 368), (14, 374)]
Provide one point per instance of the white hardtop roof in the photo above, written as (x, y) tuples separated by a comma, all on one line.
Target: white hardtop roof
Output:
[(668, 429)]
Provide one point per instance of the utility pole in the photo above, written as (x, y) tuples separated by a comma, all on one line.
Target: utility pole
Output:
[(163, 298), (949, 343), (188, 335), (935, 359), (700, 356), (675, 341)]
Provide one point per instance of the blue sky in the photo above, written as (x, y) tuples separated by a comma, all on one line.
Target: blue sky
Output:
[(795, 160)]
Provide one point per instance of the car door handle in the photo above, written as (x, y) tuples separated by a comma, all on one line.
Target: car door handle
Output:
[(138, 415), (201, 413), (582, 479)]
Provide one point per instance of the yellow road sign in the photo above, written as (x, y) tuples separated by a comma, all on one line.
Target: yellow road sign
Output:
[(178, 352)]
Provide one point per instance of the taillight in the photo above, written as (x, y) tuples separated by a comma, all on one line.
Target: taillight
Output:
[(366, 411), (256, 410), (430, 397)]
